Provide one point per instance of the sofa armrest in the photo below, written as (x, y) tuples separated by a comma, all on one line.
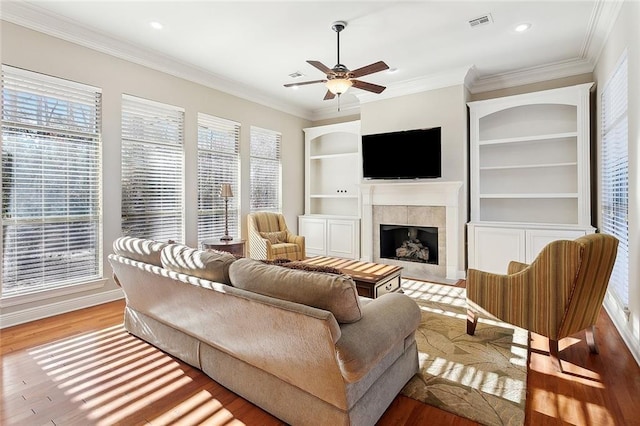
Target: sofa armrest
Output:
[(259, 248), (295, 239), (385, 322), (515, 267), (299, 241)]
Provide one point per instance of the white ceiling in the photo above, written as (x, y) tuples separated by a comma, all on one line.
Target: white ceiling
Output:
[(250, 48)]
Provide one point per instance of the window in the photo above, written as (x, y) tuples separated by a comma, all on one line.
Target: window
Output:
[(152, 170), (51, 209), (615, 175), (265, 170), (218, 162)]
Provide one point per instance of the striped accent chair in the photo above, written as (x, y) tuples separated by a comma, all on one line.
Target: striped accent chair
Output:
[(557, 295), (269, 238)]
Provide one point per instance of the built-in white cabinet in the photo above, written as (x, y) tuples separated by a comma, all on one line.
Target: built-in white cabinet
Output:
[(491, 248), (333, 170), (530, 177), (330, 236)]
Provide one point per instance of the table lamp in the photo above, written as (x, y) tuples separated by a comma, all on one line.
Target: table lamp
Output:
[(226, 193)]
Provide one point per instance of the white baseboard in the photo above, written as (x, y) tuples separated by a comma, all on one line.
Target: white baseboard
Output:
[(32, 314), (619, 320)]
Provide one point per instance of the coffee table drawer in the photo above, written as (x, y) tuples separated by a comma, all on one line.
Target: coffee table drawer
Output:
[(388, 286)]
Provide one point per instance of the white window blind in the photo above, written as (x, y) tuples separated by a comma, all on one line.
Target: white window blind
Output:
[(265, 170), (51, 209), (615, 174), (218, 163), (152, 170)]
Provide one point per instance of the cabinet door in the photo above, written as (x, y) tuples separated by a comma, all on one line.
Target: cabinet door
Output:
[(537, 239), (314, 232), (494, 248), (343, 238)]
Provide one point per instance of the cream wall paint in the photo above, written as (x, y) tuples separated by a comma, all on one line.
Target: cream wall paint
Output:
[(24, 48), (445, 108), (626, 35)]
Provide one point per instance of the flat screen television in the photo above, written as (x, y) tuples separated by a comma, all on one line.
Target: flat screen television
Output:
[(410, 154)]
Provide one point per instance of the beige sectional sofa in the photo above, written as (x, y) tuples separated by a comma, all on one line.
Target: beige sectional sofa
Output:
[(302, 345)]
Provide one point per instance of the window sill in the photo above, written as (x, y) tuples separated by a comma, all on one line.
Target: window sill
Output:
[(49, 294)]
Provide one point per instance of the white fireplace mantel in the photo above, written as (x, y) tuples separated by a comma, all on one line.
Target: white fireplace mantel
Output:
[(413, 194)]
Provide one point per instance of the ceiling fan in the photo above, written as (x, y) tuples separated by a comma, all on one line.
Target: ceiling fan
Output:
[(340, 78)]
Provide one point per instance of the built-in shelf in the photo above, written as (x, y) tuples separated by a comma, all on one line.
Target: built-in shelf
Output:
[(333, 170), (530, 177), (333, 196), (333, 156), (530, 166), (531, 195), (521, 139)]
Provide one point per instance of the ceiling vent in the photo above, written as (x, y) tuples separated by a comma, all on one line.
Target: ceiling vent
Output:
[(481, 20), (296, 74)]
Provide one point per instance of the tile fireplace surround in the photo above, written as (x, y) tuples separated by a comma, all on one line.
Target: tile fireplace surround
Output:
[(417, 204)]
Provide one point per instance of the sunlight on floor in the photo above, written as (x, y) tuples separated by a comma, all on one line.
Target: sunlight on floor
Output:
[(471, 361), (110, 376)]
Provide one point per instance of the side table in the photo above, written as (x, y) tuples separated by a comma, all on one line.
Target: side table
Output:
[(234, 246)]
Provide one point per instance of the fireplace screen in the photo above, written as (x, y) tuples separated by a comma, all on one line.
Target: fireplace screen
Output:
[(409, 243)]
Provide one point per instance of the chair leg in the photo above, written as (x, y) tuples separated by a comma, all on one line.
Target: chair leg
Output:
[(591, 339), (472, 321), (554, 354)]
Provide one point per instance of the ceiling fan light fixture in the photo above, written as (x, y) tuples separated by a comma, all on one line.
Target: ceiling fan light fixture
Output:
[(338, 86)]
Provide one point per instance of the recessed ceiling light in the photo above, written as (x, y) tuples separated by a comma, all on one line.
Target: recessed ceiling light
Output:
[(155, 25), (520, 28)]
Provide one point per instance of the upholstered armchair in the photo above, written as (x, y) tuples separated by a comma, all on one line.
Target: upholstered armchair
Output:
[(269, 238), (557, 295)]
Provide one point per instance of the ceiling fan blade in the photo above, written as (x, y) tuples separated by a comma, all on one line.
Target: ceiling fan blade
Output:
[(368, 86), (302, 83), (369, 69), (322, 67), (329, 95)]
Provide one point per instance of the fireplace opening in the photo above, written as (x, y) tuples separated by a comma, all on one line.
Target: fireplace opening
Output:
[(409, 243)]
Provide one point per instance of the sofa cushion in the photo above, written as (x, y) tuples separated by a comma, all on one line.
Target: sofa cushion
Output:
[(139, 249), (210, 265), (331, 292)]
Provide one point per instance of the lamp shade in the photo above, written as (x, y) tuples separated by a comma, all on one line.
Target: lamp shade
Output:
[(225, 190), (338, 86)]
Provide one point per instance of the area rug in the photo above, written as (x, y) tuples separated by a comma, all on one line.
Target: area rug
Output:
[(481, 377)]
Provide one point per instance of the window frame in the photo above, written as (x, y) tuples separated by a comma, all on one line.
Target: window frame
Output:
[(257, 135), (614, 163), (75, 125), (209, 202), (153, 154)]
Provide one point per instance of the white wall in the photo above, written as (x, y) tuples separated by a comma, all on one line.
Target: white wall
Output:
[(626, 35), (24, 48), (445, 108)]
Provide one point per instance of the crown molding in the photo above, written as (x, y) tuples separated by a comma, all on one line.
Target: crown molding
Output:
[(38, 19), (532, 75), (603, 18), (418, 85)]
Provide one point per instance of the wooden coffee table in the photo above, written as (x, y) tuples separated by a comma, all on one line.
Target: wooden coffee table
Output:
[(372, 279)]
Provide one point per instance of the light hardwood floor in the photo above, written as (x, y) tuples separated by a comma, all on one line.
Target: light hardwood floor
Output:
[(83, 368)]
